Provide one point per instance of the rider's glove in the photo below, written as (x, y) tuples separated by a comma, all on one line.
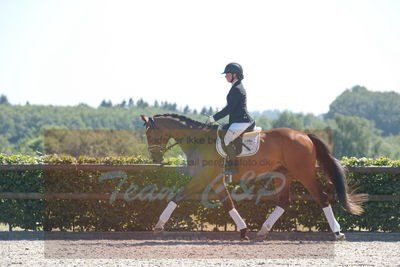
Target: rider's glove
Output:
[(211, 119)]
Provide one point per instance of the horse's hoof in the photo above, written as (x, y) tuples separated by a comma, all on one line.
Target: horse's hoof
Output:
[(246, 238), (158, 230), (260, 238), (339, 236), (261, 235), (243, 235)]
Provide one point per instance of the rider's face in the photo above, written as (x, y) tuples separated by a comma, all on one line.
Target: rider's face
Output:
[(229, 77)]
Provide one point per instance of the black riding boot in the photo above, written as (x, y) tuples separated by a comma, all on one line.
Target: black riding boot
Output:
[(230, 164)]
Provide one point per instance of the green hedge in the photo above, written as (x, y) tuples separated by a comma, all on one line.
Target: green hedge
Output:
[(121, 215)]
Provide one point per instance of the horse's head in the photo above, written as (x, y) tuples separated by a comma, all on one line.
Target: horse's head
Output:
[(157, 139)]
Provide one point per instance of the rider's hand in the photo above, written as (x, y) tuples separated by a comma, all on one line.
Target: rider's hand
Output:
[(208, 123)]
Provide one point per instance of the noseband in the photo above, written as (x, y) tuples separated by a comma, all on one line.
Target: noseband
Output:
[(161, 149)]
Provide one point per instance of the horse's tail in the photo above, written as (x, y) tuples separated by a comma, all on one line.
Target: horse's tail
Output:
[(337, 174)]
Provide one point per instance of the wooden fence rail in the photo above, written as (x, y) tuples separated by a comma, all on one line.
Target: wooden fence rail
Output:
[(136, 167)]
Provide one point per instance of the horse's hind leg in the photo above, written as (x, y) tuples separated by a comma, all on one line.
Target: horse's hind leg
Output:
[(283, 203), (316, 192)]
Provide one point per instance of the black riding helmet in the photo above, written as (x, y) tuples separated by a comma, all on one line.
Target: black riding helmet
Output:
[(234, 68)]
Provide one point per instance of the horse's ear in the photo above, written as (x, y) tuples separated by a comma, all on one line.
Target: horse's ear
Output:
[(148, 121), (145, 119)]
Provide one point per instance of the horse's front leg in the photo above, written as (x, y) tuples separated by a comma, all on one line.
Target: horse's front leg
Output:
[(164, 217), (196, 184), (224, 196)]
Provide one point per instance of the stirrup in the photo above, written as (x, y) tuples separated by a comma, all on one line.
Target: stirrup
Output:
[(228, 177)]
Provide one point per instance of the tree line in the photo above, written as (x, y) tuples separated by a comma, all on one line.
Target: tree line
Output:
[(359, 123), (165, 105)]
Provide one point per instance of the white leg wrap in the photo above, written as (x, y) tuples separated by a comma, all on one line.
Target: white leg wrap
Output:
[(237, 219), (335, 227), (164, 217), (271, 220)]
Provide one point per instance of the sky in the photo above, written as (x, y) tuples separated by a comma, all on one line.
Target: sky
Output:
[(296, 55)]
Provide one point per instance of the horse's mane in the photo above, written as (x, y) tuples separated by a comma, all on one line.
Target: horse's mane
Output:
[(187, 121)]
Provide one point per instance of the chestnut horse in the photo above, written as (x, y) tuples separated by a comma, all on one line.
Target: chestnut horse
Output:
[(290, 153)]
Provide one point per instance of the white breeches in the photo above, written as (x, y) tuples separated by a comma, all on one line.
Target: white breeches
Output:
[(236, 129)]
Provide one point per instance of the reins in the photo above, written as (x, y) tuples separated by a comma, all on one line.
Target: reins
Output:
[(163, 150)]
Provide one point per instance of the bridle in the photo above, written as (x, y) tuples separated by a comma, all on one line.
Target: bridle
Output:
[(161, 149)]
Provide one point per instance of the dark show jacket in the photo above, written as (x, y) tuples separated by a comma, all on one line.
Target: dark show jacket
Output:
[(237, 105)]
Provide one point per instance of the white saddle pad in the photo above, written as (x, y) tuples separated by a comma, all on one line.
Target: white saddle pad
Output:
[(250, 139)]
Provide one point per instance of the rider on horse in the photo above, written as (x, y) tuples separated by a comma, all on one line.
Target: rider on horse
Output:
[(239, 118)]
